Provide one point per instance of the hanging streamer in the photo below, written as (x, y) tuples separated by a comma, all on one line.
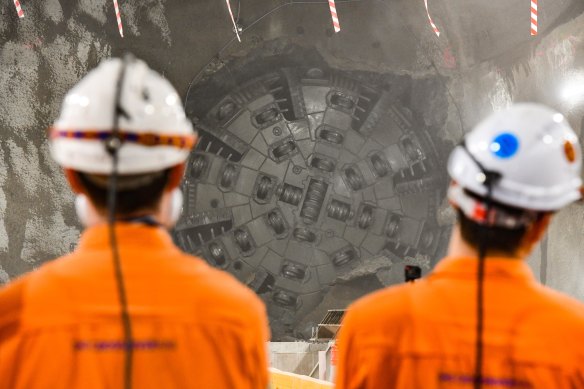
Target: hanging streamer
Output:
[(19, 10), (233, 20), (333, 9), (533, 17), (119, 18), (434, 28)]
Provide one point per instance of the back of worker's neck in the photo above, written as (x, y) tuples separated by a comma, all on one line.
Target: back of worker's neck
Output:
[(100, 219), (458, 248), (161, 215)]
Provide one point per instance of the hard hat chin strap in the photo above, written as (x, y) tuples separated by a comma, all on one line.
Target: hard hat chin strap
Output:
[(112, 146), (489, 179)]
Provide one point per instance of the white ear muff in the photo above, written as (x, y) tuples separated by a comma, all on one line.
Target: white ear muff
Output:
[(82, 209), (176, 204)]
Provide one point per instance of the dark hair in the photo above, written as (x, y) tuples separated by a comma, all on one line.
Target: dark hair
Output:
[(136, 193), (500, 240)]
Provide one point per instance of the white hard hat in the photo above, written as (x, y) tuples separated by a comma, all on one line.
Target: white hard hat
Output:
[(152, 124), (534, 151)]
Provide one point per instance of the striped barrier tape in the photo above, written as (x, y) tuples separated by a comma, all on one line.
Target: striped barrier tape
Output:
[(19, 10), (334, 16), (434, 28), (233, 20), (533, 17), (119, 18)]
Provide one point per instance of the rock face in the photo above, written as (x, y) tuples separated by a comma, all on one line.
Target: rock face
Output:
[(321, 170), (42, 55)]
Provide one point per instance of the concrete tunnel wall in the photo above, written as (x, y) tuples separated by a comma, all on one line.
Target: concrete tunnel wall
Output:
[(484, 59)]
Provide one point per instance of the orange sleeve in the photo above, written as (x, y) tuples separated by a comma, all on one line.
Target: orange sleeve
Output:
[(577, 377), (11, 306), (351, 371), (263, 362), (258, 351)]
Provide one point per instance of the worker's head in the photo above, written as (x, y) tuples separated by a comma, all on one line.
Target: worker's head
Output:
[(526, 161), (155, 140)]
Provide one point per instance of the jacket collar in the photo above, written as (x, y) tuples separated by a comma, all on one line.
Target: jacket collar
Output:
[(128, 235), (495, 267)]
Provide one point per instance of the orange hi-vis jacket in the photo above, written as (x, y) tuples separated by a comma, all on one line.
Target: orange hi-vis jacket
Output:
[(193, 326), (422, 334)]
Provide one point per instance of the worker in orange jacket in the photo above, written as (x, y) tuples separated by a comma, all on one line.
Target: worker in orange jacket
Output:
[(128, 308), (480, 319)]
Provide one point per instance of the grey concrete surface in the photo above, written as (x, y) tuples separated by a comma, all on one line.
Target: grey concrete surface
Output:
[(485, 58), (295, 357)]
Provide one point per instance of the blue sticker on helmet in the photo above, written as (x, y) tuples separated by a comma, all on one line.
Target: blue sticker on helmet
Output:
[(505, 145)]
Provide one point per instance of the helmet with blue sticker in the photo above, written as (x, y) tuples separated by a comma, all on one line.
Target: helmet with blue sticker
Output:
[(534, 152)]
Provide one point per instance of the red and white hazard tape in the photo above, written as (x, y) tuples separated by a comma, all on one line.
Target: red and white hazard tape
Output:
[(533, 17), (233, 20), (119, 18), (434, 28), (19, 10), (334, 15)]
